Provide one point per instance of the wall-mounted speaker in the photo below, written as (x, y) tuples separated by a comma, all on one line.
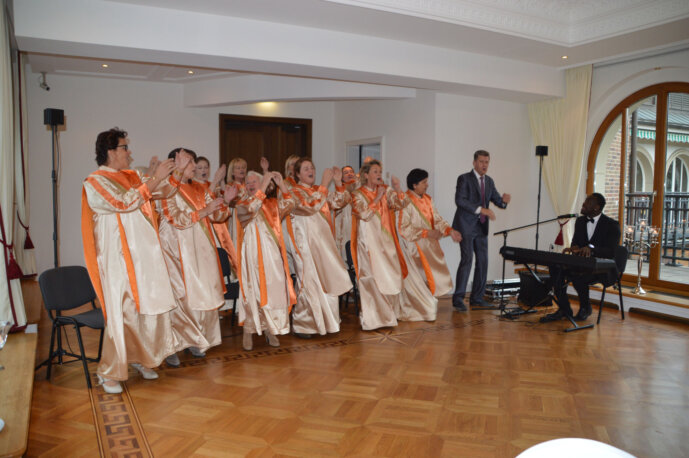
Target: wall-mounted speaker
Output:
[(541, 150), (53, 117)]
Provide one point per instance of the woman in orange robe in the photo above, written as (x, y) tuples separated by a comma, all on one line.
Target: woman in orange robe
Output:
[(420, 228), (125, 261), (186, 234), (377, 257), (266, 288), (321, 274)]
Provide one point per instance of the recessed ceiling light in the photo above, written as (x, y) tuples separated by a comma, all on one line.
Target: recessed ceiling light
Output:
[(191, 72), (104, 65), (564, 57)]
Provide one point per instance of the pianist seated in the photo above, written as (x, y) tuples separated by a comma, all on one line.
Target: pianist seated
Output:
[(594, 235)]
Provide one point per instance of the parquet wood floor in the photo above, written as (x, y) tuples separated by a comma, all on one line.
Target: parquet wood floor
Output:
[(468, 384)]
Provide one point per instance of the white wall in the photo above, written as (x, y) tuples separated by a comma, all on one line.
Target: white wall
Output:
[(157, 121), (440, 132)]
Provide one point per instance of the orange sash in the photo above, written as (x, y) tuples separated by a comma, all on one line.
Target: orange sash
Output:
[(271, 214), (195, 194), (425, 208), (325, 209), (127, 179)]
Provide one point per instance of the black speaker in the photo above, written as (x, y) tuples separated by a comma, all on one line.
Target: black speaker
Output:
[(541, 150), (533, 293), (53, 117)]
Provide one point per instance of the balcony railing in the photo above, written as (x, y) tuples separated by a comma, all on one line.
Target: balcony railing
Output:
[(675, 224)]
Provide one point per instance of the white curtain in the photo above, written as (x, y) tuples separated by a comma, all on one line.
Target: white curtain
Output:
[(560, 124), (25, 257), (11, 308)]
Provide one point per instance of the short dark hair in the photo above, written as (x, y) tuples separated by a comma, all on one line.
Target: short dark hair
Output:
[(481, 152), (173, 153), (347, 167), (203, 158), (415, 177), (106, 141), (600, 199)]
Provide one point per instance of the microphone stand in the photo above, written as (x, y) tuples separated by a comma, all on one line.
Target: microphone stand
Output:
[(519, 311)]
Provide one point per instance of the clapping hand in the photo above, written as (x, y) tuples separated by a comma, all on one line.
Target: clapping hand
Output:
[(230, 193), (395, 182), (264, 164)]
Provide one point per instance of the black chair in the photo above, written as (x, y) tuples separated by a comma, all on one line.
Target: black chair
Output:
[(66, 288), (621, 254), (232, 287), (352, 277)]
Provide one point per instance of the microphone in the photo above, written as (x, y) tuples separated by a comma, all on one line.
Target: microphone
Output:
[(569, 215)]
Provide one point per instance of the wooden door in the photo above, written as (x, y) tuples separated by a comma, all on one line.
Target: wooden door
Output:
[(252, 137)]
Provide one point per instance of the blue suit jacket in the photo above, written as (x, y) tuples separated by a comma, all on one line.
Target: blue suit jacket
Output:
[(467, 198)]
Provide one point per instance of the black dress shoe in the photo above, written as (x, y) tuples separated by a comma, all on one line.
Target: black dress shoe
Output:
[(459, 306), (483, 305), (582, 315), (557, 316), (303, 336)]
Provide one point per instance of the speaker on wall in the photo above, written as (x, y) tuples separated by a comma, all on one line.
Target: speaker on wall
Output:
[(53, 117), (541, 150)]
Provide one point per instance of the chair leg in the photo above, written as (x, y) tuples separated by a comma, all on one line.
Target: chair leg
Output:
[(83, 356), (50, 352), (234, 320), (100, 344), (619, 290), (59, 346), (600, 307)]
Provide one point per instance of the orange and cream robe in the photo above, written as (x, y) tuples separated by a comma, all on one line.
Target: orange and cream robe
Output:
[(223, 236), (192, 258), (429, 276), (264, 278), (233, 225), (378, 260), (343, 224), (127, 268), (321, 273)]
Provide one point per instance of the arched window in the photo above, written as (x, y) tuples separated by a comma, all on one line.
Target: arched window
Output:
[(676, 176), (639, 159)]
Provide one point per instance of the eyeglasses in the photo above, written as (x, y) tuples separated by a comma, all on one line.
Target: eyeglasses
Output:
[(126, 147)]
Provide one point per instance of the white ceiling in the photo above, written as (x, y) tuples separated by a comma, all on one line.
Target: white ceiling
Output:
[(484, 35)]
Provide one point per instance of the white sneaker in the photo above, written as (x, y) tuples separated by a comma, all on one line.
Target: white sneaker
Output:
[(196, 352), (272, 340), (114, 386), (146, 373), (173, 360), (248, 341)]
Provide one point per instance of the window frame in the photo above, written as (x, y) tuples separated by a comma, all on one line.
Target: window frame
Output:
[(661, 91)]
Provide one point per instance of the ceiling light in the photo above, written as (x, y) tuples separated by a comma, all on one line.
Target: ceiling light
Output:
[(564, 57), (191, 72), (105, 65)]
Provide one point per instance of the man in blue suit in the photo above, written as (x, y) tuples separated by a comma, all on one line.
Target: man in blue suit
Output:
[(475, 191)]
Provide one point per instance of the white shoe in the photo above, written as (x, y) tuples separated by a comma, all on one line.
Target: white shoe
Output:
[(196, 352), (248, 341), (173, 360), (146, 373), (272, 340), (114, 388)]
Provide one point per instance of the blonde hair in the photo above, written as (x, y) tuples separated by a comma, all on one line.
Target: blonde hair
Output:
[(251, 173), (230, 168), (367, 168), (290, 163)]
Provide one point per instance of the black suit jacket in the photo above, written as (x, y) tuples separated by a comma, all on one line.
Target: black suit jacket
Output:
[(468, 198), (604, 240)]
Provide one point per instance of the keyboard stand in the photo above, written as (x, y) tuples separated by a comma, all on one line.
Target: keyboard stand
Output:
[(551, 295)]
